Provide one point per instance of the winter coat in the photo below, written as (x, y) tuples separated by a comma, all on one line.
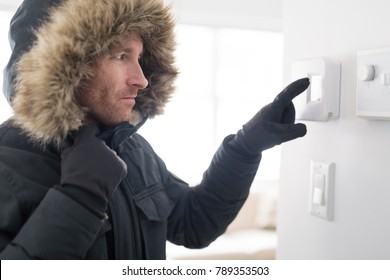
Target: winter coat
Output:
[(53, 43)]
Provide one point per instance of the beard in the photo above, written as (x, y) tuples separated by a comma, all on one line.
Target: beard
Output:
[(106, 107)]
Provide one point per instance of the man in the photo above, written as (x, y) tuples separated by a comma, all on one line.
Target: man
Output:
[(76, 179)]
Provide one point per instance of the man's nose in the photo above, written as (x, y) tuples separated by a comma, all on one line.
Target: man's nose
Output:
[(136, 78)]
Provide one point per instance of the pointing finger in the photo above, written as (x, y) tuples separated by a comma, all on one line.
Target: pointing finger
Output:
[(291, 91)]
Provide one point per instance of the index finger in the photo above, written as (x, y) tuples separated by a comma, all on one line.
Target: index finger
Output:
[(291, 91)]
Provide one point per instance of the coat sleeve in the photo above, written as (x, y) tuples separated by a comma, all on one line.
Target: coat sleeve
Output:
[(202, 213), (59, 228)]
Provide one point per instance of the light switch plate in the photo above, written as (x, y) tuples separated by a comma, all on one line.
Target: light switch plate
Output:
[(322, 181)]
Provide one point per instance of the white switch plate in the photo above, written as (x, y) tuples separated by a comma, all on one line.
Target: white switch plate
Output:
[(373, 84), (325, 186)]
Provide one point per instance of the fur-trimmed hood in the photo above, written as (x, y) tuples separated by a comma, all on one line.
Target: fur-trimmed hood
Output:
[(54, 42)]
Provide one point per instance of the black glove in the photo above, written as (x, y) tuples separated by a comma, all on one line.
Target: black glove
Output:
[(273, 124), (90, 170)]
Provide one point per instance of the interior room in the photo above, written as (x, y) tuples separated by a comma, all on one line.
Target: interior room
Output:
[(324, 196)]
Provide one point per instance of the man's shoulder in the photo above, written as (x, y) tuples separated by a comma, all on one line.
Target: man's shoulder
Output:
[(16, 141), (24, 161)]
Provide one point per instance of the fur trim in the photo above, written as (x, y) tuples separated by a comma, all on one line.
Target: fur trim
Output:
[(75, 33)]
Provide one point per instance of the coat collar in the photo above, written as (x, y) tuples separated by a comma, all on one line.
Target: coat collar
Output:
[(115, 136)]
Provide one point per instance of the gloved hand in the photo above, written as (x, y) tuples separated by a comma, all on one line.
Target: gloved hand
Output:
[(90, 170), (273, 124)]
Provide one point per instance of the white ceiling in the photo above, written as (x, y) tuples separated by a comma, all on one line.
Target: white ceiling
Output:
[(263, 8), (260, 14)]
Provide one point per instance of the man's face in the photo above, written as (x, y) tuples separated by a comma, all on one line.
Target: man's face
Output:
[(110, 94)]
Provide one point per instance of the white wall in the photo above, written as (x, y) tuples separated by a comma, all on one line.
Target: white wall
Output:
[(258, 14), (359, 148)]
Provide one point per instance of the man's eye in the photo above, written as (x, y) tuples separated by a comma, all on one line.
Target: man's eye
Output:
[(120, 56)]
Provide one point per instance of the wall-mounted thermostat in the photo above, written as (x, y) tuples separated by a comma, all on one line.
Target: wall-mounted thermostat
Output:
[(373, 84), (321, 101)]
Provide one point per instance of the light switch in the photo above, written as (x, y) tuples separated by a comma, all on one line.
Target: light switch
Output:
[(315, 89), (319, 186), (318, 196), (322, 179)]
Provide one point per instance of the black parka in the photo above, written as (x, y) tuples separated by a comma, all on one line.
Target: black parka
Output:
[(53, 43), (150, 206)]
